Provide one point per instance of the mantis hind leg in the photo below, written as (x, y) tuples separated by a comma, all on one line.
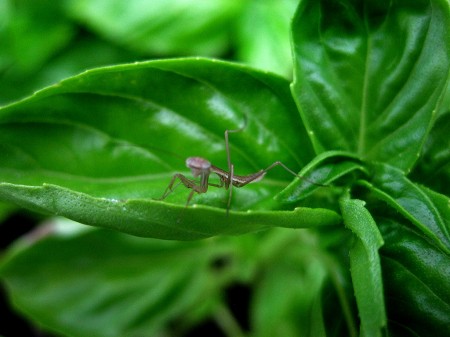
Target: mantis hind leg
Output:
[(279, 163), (230, 187), (227, 146)]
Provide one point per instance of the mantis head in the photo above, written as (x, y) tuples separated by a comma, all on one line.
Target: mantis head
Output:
[(199, 166)]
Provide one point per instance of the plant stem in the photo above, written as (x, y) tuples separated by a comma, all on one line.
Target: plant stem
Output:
[(227, 322)]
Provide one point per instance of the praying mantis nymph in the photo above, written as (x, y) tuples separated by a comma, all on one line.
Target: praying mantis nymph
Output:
[(201, 167)]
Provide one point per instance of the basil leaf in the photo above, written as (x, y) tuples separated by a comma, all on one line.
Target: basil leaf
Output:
[(149, 218), (415, 274), (415, 203), (324, 169), (368, 75), (365, 266), (94, 146), (433, 167)]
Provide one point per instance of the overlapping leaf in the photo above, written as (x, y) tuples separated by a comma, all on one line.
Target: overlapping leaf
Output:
[(433, 168), (415, 275), (424, 208), (100, 146), (368, 75), (365, 266), (321, 173), (107, 137)]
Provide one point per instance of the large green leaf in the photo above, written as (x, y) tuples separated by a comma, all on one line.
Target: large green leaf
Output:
[(365, 266), (76, 283), (108, 138), (369, 74), (416, 277)]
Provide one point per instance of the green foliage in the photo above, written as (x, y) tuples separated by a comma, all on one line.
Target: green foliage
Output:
[(368, 76), (365, 122), (42, 42), (416, 273), (365, 266), (115, 116)]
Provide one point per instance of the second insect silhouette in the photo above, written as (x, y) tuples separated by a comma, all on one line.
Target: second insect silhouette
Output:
[(201, 167)]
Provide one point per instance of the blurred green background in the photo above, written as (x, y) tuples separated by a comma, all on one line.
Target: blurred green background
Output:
[(44, 41)]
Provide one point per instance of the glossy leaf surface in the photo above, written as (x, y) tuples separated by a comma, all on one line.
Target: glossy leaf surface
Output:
[(424, 208), (100, 147), (321, 173), (433, 168), (368, 75), (113, 136), (415, 275)]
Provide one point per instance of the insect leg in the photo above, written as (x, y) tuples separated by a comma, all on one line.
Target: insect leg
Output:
[(183, 180), (279, 163), (230, 187), (227, 146)]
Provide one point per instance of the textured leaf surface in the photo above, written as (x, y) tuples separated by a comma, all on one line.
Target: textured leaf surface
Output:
[(427, 210), (148, 218), (415, 275), (365, 266), (368, 75), (109, 138)]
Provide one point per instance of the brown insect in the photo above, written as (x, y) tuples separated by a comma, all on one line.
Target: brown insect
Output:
[(201, 167)]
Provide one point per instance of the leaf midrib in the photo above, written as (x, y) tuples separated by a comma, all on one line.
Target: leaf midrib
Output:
[(361, 148)]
